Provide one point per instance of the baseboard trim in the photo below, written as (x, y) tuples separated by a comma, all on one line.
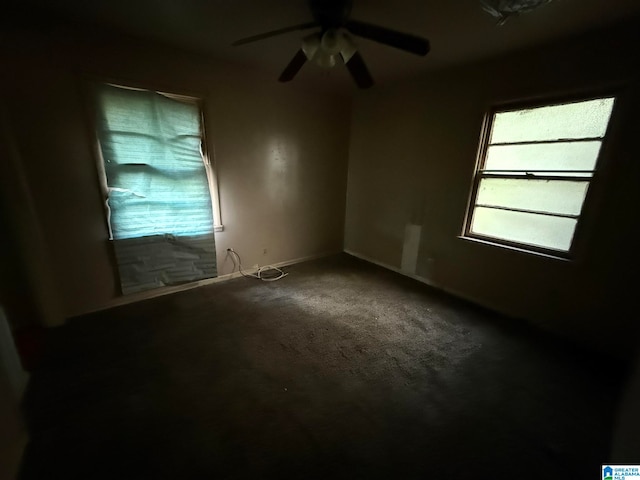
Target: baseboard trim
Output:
[(426, 281), (392, 268), (159, 292)]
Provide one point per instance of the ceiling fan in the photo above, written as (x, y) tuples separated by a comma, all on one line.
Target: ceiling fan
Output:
[(333, 42)]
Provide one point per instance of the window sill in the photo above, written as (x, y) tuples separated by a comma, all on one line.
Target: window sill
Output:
[(513, 248)]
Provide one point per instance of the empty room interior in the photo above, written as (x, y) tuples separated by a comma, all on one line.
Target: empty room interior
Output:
[(319, 239)]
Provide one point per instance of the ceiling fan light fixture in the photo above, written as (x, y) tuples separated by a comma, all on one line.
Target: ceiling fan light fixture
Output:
[(325, 50), (324, 59), (310, 45), (348, 48), (331, 41)]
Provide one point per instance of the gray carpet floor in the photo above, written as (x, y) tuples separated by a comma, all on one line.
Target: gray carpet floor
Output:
[(340, 370)]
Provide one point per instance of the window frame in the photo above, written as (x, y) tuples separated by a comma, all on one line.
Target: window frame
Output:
[(593, 181)]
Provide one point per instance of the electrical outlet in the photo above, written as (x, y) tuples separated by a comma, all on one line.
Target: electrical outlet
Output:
[(255, 266)]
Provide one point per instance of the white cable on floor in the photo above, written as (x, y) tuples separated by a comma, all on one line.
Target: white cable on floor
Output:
[(259, 272)]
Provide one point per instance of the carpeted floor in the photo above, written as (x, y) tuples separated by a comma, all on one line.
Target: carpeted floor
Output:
[(341, 370)]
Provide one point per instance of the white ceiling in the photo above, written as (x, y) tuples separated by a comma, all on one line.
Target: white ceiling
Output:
[(459, 30)]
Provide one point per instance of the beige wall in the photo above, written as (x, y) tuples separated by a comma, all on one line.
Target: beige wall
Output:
[(412, 156), (281, 154)]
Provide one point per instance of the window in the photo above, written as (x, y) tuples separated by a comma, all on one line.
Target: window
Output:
[(534, 171), (157, 175), (158, 183)]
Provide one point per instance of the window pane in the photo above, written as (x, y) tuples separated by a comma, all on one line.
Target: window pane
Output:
[(553, 196), (528, 228), (543, 156), (570, 120)]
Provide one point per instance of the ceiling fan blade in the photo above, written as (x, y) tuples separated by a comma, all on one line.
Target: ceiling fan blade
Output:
[(359, 71), (403, 41), (273, 33), (296, 63)]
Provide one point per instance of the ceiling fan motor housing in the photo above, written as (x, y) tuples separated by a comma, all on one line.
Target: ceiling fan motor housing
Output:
[(330, 13)]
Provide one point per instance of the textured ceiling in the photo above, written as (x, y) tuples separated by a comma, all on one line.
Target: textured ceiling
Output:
[(459, 30)]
